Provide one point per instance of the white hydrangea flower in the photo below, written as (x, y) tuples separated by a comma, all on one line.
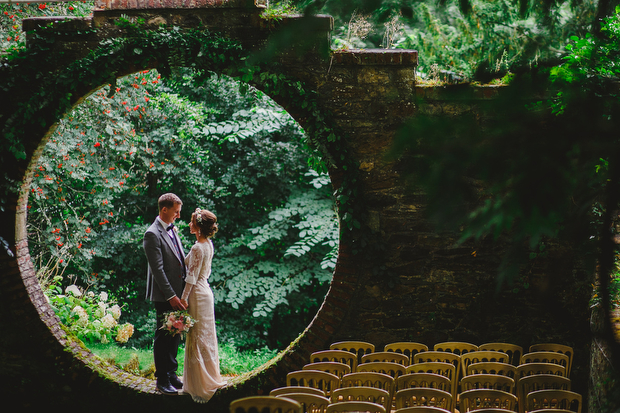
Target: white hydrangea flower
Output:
[(101, 309), (103, 296), (108, 321), (73, 289), (90, 294), (82, 315), (124, 333), (115, 310)]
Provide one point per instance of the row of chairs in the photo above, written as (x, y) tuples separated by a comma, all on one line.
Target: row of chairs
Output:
[(422, 385), (418, 400), (562, 354), (404, 358), (442, 375)]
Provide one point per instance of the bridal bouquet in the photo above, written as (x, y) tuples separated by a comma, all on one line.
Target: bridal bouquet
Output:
[(178, 322)]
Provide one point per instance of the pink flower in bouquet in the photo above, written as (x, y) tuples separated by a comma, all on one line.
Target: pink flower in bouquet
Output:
[(178, 325)]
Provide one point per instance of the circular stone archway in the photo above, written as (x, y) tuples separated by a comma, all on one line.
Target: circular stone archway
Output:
[(47, 361)]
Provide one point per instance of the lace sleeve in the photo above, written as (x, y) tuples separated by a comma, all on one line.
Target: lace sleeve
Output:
[(194, 263), (186, 291)]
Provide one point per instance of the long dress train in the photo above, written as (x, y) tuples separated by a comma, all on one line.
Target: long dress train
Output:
[(201, 374)]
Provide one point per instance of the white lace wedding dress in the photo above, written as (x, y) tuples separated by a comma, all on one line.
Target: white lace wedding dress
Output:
[(201, 374)]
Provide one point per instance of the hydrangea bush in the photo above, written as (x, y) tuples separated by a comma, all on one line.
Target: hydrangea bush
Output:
[(91, 317)]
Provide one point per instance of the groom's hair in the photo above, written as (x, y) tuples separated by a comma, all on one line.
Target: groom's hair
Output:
[(168, 201)]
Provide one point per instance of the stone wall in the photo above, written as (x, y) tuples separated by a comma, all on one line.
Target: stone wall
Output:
[(417, 287)]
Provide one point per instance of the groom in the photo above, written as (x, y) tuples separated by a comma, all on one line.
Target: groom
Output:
[(164, 286)]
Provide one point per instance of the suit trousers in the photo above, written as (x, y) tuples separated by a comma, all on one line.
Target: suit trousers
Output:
[(165, 345)]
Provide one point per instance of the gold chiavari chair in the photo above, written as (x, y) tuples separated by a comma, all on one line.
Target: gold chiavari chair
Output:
[(313, 378), (388, 356), (514, 351), (546, 357), (310, 403), (338, 356), (480, 357), (264, 404), (355, 407), (423, 396), (471, 400), (556, 348), (407, 348), (534, 382), (296, 389), (363, 393), (339, 369), (358, 348), (553, 399)]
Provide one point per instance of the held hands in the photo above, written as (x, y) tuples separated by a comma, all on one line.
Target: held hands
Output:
[(184, 303), (177, 304)]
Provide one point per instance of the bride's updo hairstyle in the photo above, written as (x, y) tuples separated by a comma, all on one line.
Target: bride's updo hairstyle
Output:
[(205, 221)]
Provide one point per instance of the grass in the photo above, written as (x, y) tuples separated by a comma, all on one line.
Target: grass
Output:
[(233, 362)]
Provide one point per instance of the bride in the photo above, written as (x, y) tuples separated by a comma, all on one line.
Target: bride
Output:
[(201, 375)]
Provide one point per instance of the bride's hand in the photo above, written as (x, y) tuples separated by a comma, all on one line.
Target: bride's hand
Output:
[(184, 303)]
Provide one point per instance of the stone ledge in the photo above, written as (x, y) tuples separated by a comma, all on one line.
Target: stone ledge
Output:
[(61, 23), (177, 4), (376, 57)]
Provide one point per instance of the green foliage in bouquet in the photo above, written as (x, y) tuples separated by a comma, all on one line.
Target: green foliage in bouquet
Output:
[(91, 317)]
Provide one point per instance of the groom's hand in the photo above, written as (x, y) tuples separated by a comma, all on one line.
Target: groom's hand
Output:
[(176, 303)]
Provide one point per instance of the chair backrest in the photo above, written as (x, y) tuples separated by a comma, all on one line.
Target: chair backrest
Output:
[(338, 356), (346, 407), (553, 399), (365, 394), (514, 351), (423, 396), (446, 369), (539, 368), (333, 367), (314, 378), (296, 389), (482, 356), (390, 356), (535, 382), (407, 348), (546, 357), (488, 381), (432, 380), (556, 348), (310, 403), (393, 369), (423, 409), (264, 404), (368, 379), (551, 411), (441, 356), (491, 410), (492, 367), (358, 348), (456, 347), (487, 398)]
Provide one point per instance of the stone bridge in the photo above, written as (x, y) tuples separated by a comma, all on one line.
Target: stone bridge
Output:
[(409, 284)]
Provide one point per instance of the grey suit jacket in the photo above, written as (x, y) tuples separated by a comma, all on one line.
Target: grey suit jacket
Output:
[(165, 270)]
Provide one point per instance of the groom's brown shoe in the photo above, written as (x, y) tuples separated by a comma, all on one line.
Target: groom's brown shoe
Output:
[(165, 387), (175, 381)]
